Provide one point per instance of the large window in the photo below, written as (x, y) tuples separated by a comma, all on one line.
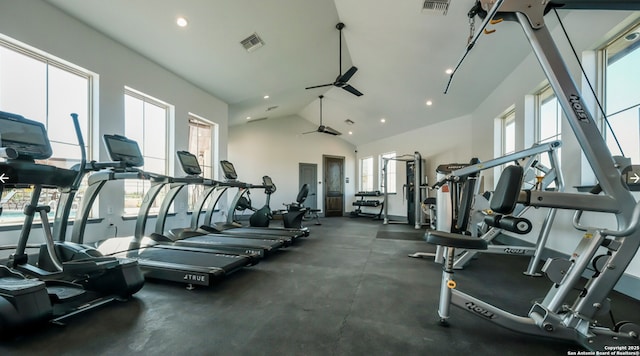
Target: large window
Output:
[(391, 172), (45, 89), (622, 85), (200, 144), (146, 121), (508, 136), (548, 121), (366, 174)]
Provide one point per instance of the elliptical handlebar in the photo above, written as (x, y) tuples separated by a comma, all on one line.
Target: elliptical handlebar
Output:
[(83, 152)]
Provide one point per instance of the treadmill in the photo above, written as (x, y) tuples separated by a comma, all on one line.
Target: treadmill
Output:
[(75, 277), (262, 246), (232, 227), (188, 265)]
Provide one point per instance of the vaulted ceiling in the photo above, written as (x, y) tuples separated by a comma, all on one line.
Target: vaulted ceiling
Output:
[(401, 53)]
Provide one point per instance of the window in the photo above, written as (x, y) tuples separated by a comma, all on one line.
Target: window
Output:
[(391, 172), (548, 121), (200, 144), (366, 174), (508, 132), (45, 89), (621, 87), (146, 121)]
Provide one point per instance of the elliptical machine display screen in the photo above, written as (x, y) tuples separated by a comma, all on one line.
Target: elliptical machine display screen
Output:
[(27, 137), (189, 163), (228, 170), (122, 149)]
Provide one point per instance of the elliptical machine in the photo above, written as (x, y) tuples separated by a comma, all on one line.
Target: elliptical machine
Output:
[(77, 277)]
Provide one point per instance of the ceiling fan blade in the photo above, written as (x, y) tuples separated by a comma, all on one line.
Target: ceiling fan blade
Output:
[(347, 75), (330, 131), (310, 132), (320, 86), (352, 90)]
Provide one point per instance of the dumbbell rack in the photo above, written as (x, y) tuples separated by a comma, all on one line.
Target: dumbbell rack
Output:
[(372, 203)]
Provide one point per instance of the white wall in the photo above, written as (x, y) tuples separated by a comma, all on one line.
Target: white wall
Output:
[(444, 142), (274, 147), (42, 26)]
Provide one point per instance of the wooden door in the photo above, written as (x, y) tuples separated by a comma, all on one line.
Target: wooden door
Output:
[(333, 186), (308, 174)]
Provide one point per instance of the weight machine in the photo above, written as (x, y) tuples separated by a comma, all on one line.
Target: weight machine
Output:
[(554, 316), (529, 159), (412, 189)]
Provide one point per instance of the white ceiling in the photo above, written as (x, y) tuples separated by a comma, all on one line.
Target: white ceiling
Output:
[(401, 53)]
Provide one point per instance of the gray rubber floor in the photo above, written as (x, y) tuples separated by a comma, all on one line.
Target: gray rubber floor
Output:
[(341, 291)]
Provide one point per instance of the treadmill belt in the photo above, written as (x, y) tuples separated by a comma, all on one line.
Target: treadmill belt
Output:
[(227, 263)]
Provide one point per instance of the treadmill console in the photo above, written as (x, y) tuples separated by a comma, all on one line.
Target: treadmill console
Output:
[(228, 170), (122, 149), (189, 163), (26, 138)]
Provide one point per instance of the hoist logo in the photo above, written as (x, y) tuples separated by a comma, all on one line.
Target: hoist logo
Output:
[(480, 310), (578, 108), (514, 251)]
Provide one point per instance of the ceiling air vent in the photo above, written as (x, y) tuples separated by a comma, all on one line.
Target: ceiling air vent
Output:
[(252, 42), (349, 122), (435, 6)]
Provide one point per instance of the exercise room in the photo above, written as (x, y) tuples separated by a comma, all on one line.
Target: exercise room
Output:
[(305, 177)]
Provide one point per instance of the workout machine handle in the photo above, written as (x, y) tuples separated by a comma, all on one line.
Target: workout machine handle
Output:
[(632, 226), (443, 181), (96, 166), (83, 154)]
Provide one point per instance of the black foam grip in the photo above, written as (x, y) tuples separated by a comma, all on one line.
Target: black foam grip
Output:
[(514, 224), (492, 220)]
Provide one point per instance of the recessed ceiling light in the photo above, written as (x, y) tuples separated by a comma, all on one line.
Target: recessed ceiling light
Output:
[(449, 71), (383, 120), (182, 21), (429, 103), (350, 132), (266, 96), (248, 117)]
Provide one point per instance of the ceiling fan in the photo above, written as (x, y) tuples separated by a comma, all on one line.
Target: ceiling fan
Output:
[(322, 128), (342, 79)]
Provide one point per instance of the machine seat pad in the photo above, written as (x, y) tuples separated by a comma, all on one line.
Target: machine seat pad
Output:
[(449, 239)]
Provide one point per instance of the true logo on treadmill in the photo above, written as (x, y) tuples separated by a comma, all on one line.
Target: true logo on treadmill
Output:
[(194, 277), (576, 105), (480, 310)]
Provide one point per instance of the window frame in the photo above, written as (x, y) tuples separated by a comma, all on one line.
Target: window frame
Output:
[(361, 183), (51, 118), (143, 185), (194, 190), (392, 188), (614, 50)]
